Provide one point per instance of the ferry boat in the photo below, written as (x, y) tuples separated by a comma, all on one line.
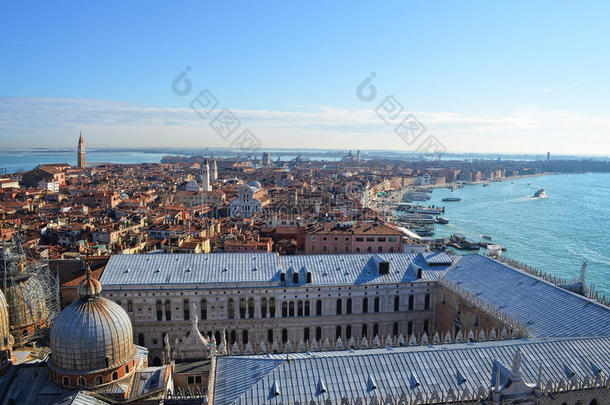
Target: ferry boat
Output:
[(540, 194), (452, 199)]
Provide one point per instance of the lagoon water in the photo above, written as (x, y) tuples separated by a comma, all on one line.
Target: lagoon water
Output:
[(27, 160), (555, 234)]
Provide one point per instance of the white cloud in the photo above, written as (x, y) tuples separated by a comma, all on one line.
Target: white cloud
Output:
[(54, 122)]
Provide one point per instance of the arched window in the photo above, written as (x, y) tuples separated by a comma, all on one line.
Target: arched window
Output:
[(127, 369), (427, 301), (168, 310), (339, 306), (284, 309), (263, 307), (233, 338), (130, 306), (411, 302), (319, 307), (244, 337), (458, 310), (291, 308), (98, 380), (410, 328), (242, 308), (375, 329), (251, 308), (284, 335), (593, 402), (338, 332), (476, 321), (348, 332), (348, 309), (159, 306), (230, 310), (217, 337), (307, 310), (300, 308), (141, 341), (270, 335), (204, 310), (318, 333), (376, 304), (115, 376), (364, 330), (272, 307), (66, 381), (187, 311), (396, 303), (365, 305), (306, 334), (395, 329)]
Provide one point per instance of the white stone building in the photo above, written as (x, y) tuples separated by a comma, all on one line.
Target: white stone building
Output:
[(245, 205), (268, 299)]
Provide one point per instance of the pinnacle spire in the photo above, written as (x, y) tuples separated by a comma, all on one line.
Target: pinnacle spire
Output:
[(515, 374)]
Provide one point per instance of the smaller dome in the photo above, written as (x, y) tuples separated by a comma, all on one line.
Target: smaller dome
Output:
[(255, 184), (91, 335)]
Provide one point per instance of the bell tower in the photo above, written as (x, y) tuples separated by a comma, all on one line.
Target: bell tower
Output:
[(81, 151)]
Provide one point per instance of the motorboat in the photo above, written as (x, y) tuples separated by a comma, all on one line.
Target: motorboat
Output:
[(540, 194)]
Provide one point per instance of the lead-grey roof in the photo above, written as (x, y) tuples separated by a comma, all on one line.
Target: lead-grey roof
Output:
[(264, 268), (546, 309), (250, 379)]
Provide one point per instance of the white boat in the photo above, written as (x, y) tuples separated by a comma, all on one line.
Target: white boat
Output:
[(540, 194)]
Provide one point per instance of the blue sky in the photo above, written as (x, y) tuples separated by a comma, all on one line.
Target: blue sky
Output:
[(481, 76)]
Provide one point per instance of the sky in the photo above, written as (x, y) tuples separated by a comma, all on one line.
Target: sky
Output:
[(476, 76)]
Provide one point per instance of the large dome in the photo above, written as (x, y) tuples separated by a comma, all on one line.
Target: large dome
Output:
[(91, 334), (6, 339)]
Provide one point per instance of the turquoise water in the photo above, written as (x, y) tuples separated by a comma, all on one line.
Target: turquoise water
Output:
[(555, 234)]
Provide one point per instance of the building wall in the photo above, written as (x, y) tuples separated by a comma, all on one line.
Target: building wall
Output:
[(141, 305), (320, 243), (453, 313)]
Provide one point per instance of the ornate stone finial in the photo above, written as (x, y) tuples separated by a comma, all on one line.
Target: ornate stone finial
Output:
[(194, 311), (539, 381), (89, 288), (497, 386), (515, 373), (583, 270)]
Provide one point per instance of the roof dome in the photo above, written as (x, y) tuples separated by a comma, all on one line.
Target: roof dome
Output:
[(27, 303), (92, 333), (5, 337), (256, 184)]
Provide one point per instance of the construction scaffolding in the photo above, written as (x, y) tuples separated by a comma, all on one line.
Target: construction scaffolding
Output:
[(31, 290)]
